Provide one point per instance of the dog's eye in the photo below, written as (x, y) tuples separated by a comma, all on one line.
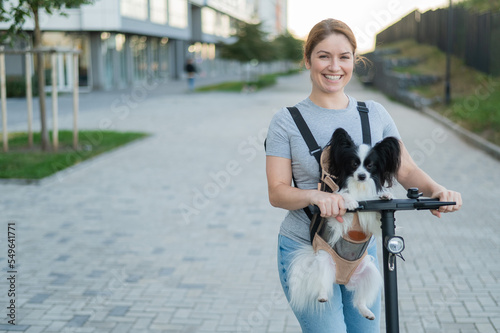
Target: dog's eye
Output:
[(355, 164), (369, 165)]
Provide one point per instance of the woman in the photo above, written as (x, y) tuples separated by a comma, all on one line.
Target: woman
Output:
[(330, 56)]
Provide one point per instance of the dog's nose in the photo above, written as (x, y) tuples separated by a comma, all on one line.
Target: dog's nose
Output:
[(361, 176)]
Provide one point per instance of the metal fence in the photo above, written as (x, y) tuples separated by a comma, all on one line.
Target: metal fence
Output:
[(475, 36)]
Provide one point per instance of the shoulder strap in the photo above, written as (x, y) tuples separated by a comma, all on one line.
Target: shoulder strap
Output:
[(365, 123), (314, 149)]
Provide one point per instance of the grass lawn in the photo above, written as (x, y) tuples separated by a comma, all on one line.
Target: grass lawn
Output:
[(22, 162), (475, 96), (262, 81)]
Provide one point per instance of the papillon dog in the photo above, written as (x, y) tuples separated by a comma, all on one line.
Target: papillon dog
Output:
[(361, 173)]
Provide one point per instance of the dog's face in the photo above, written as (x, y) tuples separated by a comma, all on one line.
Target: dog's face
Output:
[(363, 164)]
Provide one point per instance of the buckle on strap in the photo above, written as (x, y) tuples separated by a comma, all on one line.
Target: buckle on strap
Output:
[(313, 152)]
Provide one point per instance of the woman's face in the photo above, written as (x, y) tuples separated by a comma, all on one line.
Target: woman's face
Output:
[(331, 64)]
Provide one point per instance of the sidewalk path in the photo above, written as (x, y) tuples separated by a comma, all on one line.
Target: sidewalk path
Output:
[(174, 233)]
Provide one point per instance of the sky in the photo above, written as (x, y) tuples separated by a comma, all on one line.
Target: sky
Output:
[(365, 17)]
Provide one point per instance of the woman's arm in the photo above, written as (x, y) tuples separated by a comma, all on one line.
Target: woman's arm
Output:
[(283, 195), (410, 175)]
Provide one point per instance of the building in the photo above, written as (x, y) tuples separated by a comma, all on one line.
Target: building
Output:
[(126, 42), (273, 15)]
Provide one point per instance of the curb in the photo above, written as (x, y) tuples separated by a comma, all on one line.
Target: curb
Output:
[(474, 139)]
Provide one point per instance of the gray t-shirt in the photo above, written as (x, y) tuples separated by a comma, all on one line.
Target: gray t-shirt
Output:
[(285, 140)]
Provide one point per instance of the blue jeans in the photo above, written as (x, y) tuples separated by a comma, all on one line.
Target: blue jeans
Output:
[(338, 314), (191, 83)]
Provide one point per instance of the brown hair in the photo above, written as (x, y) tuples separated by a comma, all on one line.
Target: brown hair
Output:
[(324, 29)]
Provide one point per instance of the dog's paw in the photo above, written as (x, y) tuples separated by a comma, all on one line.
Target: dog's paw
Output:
[(349, 202), (365, 312), (351, 205), (386, 196)]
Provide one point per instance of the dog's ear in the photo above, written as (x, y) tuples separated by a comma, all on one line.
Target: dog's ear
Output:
[(339, 143), (341, 139), (389, 152)]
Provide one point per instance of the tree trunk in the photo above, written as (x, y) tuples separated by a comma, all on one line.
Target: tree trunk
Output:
[(41, 82)]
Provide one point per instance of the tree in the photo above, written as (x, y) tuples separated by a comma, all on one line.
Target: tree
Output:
[(481, 5), (16, 12), (251, 44), (288, 47)]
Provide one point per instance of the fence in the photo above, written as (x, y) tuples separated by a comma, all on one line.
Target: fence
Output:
[(475, 36), (28, 54)]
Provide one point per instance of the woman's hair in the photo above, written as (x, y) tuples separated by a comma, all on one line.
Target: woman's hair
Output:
[(324, 29)]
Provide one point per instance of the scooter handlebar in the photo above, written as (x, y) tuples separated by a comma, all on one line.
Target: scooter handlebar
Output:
[(395, 204)]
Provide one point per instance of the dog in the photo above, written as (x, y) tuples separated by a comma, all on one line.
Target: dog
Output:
[(361, 173)]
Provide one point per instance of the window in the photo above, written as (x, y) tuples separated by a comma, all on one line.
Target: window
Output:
[(215, 23), (208, 21), (70, 41), (139, 57), (163, 57), (178, 14), (158, 11), (137, 9)]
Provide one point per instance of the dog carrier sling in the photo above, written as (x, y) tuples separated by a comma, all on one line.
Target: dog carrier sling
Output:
[(350, 250)]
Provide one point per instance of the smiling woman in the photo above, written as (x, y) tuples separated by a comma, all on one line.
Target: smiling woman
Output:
[(330, 55), (331, 64)]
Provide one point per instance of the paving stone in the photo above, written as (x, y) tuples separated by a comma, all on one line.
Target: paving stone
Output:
[(39, 298), (78, 321), (119, 311)]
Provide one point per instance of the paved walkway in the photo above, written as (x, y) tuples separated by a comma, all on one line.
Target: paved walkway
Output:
[(174, 233)]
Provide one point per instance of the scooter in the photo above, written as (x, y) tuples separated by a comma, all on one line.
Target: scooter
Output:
[(394, 245)]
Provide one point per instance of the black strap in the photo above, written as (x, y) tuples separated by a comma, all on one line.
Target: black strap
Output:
[(314, 149), (365, 123)]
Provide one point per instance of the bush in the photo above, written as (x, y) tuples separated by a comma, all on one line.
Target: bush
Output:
[(16, 86)]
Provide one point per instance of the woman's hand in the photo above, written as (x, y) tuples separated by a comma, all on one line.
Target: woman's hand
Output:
[(447, 195), (330, 204)]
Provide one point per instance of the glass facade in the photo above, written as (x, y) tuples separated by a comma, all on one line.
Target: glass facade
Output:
[(121, 67), (77, 41), (139, 57), (107, 52), (114, 60), (163, 57), (148, 59)]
